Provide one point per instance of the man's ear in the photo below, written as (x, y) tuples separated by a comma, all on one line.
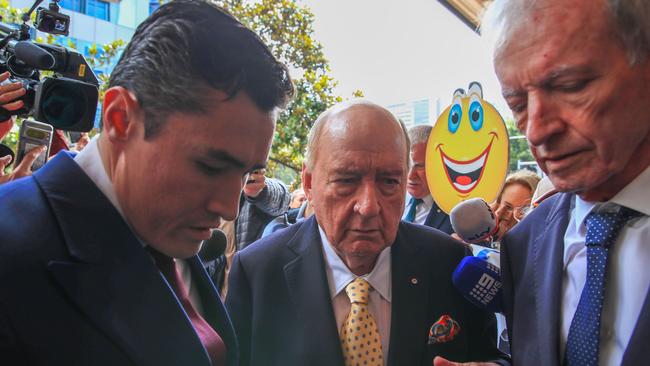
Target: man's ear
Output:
[(120, 112), (305, 176)]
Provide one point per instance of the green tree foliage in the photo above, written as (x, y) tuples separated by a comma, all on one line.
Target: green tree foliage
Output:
[(519, 150), (287, 28)]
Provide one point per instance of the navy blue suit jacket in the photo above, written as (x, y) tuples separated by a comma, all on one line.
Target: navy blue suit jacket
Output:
[(438, 220), (280, 303), (78, 288), (532, 267)]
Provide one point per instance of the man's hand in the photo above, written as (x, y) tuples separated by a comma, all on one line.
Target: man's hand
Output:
[(255, 183), (9, 93), (25, 166), (439, 361)]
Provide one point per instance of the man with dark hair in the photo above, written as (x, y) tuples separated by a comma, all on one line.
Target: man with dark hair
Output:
[(98, 260), (576, 285)]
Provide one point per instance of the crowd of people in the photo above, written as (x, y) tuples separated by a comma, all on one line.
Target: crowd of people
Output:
[(98, 251)]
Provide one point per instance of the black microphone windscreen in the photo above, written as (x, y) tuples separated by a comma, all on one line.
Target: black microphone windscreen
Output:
[(213, 247), (34, 56)]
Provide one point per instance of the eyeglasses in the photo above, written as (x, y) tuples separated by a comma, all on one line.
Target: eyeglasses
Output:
[(518, 213)]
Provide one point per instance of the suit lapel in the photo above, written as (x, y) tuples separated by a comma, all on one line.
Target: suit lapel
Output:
[(215, 312), (308, 289), (548, 249), (636, 352), (110, 277), (409, 292)]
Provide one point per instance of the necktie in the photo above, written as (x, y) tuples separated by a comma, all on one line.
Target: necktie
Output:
[(584, 333), (209, 338), (360, 340), (413, 206)]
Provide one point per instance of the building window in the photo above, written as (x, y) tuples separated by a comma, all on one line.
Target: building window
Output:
[(153, 5), (74, 5), (95, 8), (98, 9)]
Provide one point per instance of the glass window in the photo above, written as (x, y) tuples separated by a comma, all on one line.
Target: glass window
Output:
[(74, 5), (153, 5), (98, 9)]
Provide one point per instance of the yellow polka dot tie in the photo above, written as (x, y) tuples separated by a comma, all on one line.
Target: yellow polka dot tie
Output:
[(360, 338)]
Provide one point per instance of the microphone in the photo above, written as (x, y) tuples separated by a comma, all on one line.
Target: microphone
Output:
[(213, 247), (34, 56), (474, 221), (480, 283)]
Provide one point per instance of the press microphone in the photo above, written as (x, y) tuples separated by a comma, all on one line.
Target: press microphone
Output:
[(212, 248), (474, 221), (34, 56), (480, 283)]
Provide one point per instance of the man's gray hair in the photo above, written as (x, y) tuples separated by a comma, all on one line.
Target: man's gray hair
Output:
[(629, 18), (316, 130), (419, 134)]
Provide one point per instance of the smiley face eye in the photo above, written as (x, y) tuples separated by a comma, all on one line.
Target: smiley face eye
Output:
[(455, 114), (476, 115)]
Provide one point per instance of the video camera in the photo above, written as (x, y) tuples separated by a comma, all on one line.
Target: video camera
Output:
[(68, 99)]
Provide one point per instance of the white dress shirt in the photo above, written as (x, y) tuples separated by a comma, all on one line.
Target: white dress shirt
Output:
[(90, 161), (379, 300), (422, 211), (628, 278)]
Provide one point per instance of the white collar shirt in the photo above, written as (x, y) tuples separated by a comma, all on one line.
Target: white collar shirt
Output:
[(379, 302)]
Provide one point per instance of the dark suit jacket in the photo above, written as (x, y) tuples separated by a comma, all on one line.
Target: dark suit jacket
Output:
[(532, 268), (438, 220), (78, 288), (280, 302)]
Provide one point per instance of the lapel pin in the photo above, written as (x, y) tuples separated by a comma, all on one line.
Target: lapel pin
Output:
[(414, 281)]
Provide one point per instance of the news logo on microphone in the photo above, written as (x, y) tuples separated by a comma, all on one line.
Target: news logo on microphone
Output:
[(486, 288), (480, 283)]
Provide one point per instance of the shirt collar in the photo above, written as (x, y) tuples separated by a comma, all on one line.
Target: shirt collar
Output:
[(90, 161), (378, 278), (428, 201), (633, 196)]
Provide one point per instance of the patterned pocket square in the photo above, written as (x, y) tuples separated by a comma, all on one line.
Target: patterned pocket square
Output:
[(444, 330)]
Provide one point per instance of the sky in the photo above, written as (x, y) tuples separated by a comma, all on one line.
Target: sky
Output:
[(401, 51)]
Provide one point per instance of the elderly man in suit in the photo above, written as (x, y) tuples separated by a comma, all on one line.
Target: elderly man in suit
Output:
[(420, 206), (576, 74), (98, 260), (354, 284)]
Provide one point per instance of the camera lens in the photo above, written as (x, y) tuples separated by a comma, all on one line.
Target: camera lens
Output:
[(47, 24), (63, 105)]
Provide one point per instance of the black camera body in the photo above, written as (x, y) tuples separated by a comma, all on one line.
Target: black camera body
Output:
[(52, 21), (68, 99)]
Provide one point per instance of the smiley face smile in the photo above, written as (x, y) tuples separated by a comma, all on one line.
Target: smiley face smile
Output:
[(465, 175)]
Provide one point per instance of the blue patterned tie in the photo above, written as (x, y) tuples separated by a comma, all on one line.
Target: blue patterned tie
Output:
[(413, 206), (584, 333)]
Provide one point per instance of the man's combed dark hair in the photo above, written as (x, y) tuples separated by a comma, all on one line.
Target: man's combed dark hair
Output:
[(188, 47)]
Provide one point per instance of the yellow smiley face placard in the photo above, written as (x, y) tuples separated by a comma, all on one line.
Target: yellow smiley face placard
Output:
[(467, 151)]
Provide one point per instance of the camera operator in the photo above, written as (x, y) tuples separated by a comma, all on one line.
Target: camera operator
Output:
[(8, 95)]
